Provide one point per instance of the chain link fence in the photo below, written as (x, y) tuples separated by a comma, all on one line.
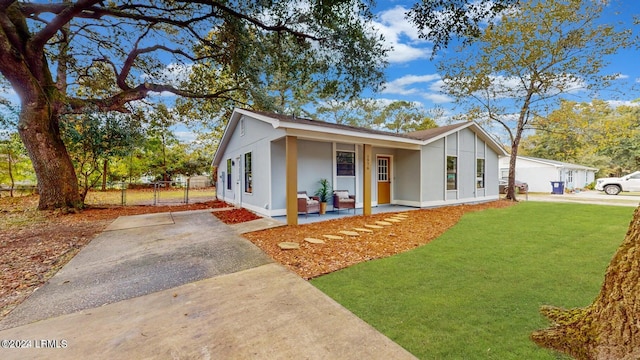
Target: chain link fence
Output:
[(156, 193)]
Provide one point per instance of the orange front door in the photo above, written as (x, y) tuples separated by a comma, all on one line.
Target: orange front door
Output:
[(384, 180)]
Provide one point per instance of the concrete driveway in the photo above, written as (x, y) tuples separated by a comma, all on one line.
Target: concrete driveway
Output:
[(183, 286)]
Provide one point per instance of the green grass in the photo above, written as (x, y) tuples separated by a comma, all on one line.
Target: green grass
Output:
[(474, 293)]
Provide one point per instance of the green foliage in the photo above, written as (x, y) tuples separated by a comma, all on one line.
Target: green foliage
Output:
[(592, 134), (441, 21), (403, 117), (475, 292), (324, 192), (279, 71), (397, 116), (94, 139), (15, 166)]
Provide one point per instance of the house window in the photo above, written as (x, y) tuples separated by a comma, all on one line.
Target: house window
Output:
[(242, 128), (229, 174), (570, 177), (346, 163), (480, 173), (383, 169), (452, 173), (248, 175)]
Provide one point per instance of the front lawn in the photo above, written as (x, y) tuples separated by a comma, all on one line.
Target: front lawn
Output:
[(474, 292)]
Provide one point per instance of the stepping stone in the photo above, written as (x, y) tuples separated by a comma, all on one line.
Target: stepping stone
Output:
[(392, 220), (349, 233), (363, 230), (314, 240), (289, 245), (385, 223), (374, 226), (401, 216), (333, 237)]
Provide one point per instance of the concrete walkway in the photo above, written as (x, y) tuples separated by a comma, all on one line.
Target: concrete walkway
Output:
[(184, 286)]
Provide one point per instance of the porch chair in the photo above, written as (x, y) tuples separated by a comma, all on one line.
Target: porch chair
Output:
[(342, 200), (308, 204)]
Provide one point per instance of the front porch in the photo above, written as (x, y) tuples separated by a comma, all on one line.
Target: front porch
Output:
[(334, 215)]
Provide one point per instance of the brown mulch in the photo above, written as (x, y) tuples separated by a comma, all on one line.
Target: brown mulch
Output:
[(313, 260), (235, 216), (34, 245)]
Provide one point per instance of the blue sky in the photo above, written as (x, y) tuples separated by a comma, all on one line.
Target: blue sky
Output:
[(412, 75)]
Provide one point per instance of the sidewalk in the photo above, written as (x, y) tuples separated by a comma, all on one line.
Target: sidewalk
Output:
[(184, 286)]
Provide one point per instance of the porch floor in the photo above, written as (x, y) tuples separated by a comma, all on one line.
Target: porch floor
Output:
[(331, 215)]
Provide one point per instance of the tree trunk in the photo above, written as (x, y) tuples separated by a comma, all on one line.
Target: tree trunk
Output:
[(104, 174), (13, 182), (57, 181), (610, 327)]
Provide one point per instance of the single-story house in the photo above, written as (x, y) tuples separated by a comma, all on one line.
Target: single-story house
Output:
[(264, 159), (539, 173)]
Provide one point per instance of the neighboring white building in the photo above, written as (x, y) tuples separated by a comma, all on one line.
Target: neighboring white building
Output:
[(539, 173), (264, 159)]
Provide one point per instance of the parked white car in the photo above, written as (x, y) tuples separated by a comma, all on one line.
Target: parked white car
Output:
[(614, 185)]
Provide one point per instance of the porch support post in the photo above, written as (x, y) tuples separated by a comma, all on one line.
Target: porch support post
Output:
[(291, 160), (366, 179)]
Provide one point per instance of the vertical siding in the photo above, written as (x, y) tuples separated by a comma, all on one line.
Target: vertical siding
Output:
[(433, 171), (315, 162), (406, 187), (491, 173), (278, 175), (466, 164)]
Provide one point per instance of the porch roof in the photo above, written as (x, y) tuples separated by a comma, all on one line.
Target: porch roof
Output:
[(321, 130)]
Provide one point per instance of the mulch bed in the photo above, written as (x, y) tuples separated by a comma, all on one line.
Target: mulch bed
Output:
[(235, 216), (312, 260)]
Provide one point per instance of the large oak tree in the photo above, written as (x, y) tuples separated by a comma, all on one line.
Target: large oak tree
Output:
[(77, 57)]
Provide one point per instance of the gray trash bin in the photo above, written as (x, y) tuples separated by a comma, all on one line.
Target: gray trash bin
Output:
[(557, 187)]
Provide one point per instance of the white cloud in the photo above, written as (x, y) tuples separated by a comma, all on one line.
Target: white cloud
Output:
[(402, 36), (185, 136), (402, 85), (616, 103), (438, 98)]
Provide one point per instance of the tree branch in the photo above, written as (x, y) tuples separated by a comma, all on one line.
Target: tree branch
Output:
[(68, 12), (118, 101)]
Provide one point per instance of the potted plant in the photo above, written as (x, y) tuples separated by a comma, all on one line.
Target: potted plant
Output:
[(323, 193)]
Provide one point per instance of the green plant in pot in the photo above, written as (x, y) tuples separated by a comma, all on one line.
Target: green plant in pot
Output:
[(323, 193)]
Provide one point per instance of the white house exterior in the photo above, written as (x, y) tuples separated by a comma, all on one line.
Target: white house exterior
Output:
[(263, 159), (539, 173)]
